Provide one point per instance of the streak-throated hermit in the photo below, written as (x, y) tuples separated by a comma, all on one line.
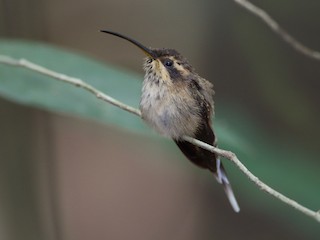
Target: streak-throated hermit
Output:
[(177, 102)]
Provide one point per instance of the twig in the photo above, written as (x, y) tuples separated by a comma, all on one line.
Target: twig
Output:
[(265, 17), (227, 154), (233, 158)]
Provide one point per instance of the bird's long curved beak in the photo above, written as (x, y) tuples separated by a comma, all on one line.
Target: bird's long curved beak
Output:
[(146, 50)]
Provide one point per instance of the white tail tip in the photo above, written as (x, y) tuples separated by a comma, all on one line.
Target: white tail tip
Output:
[(222, 178), (231, 197)]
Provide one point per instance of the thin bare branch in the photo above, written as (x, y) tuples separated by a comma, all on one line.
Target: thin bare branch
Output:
[(227, 154), (72, 80), (265, 17), (233, 158)]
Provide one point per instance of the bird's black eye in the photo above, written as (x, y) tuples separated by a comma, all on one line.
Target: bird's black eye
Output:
[(149, 60), (168, 62)]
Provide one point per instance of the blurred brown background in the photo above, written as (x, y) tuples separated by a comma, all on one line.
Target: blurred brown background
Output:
[(56, 181)]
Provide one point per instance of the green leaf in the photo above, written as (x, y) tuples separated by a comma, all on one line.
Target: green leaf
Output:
[(33, 89), (30, 88)]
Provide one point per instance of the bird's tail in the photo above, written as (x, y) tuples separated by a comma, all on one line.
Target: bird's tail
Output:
[(222, 178)]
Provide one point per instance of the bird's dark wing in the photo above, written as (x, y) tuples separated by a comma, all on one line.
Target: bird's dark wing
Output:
[(206, 159), (195, 154)]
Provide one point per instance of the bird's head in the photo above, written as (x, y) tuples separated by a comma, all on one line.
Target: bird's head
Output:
[(166, 64)]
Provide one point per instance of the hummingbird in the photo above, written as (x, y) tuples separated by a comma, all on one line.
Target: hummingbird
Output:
[(177, 102)]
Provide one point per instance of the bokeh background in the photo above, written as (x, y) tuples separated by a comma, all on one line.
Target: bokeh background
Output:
[(67, 177)]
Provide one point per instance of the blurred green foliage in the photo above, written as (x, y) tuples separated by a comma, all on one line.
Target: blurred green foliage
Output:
[(278, 161)]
